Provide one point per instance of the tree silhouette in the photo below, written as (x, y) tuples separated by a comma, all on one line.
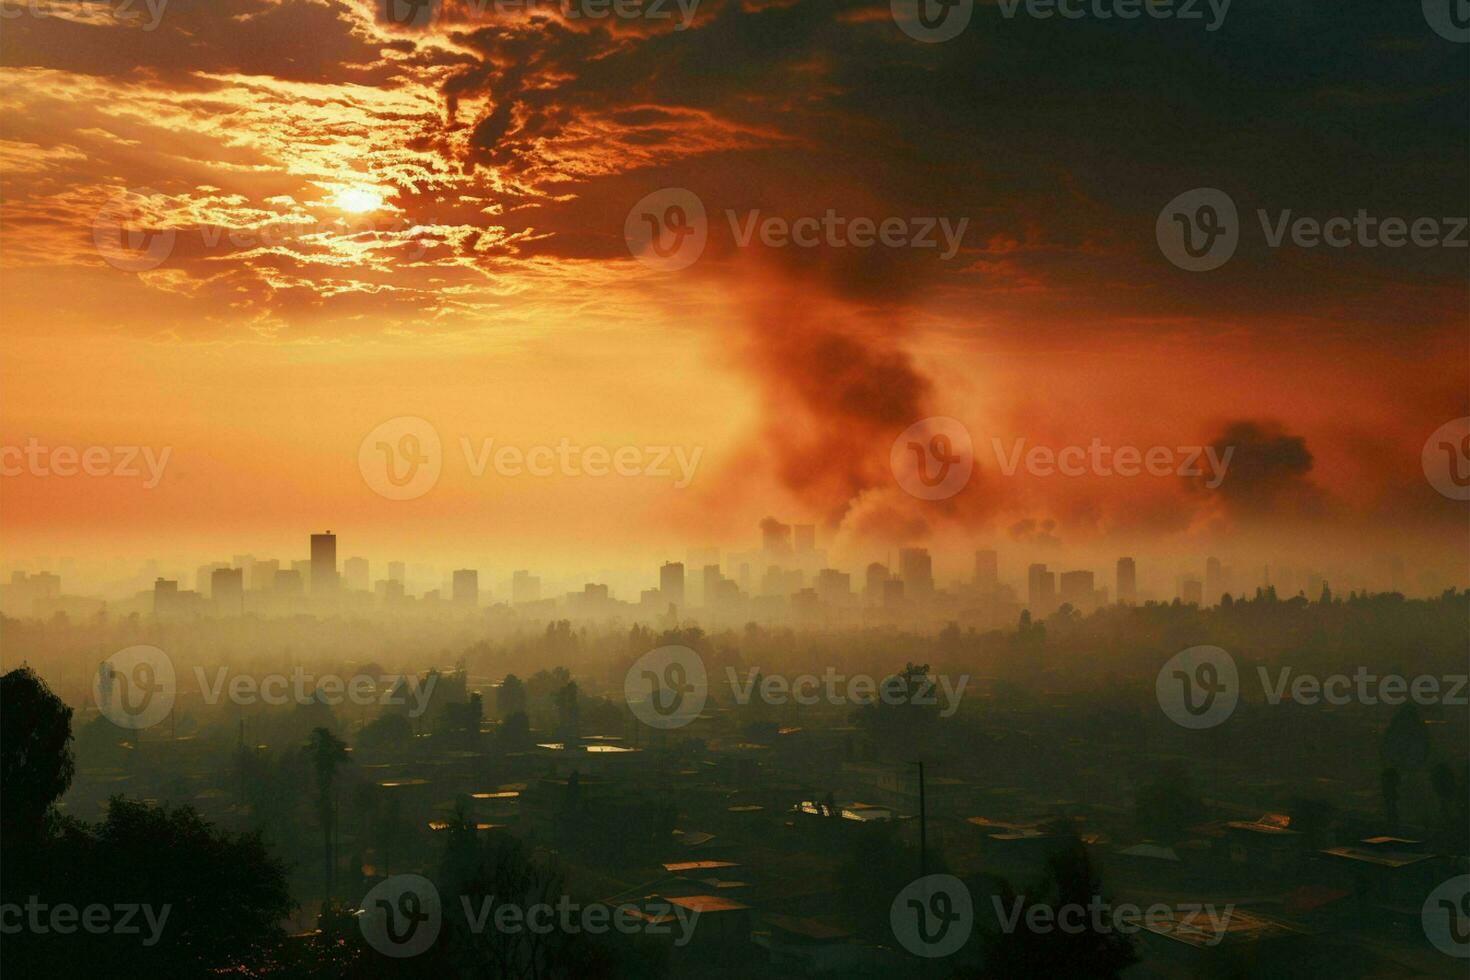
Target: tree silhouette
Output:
[(36, 764), (327, 752)]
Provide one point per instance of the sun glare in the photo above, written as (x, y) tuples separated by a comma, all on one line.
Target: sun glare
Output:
[(358, 200)]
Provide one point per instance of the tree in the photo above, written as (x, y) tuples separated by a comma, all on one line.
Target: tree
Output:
[(510, 697), (327, 752), (36, 764)]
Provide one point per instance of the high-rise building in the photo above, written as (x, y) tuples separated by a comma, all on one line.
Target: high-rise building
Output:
[(289, 582), (165, 595), (1192, 592), (263, 575), (396, 573), (1127, 582), (671, 582), (323, 563), (877, 575), (1077, 588), (833, 587), (1214, 581), (227, 589), (525, 587), (893, 592), (916, 571), (987, 571), (775, 537), (355, 574), (1041, 591), (805, 538), (466, 586), (204, 575)]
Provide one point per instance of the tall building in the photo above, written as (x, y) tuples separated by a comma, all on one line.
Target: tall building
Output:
[(263, 575), (1127, 582), (525, 587), (165, 595), (877, 575), (671, 582), (1192, 592), (1041, 591), (204, 575), (806, 538), (355, 574), (289, 581), (1214, 581), (775, 537), (466, 587), (227, 589), (987, 571), (396, 572), (323, 563), (1077, 588), (833, 587), (915, 569)]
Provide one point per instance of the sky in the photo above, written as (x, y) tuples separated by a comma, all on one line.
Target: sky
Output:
[(257, 235)]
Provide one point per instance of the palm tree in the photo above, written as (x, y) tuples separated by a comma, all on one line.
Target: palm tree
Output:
[(326, 752)]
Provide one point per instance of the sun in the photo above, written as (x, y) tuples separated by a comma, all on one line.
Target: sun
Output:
[(358, 199)]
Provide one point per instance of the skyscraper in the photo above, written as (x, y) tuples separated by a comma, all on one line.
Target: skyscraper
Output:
[(1127, 582), (1041, 591), (915, 569), (1214, 582), (876, 576), (525, 587), (775, 538), (806, 538), (323, 563), (227, 589), (1077, 588), (466, 586), (987, 570), (356, 574), (671, 582), (396, 572)]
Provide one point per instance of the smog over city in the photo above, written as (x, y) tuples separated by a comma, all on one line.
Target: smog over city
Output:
[(686, 489)]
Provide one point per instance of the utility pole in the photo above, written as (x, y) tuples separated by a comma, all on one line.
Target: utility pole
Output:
[(923, 826)]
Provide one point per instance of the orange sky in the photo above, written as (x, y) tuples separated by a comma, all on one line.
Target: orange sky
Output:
[(369, 222)]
